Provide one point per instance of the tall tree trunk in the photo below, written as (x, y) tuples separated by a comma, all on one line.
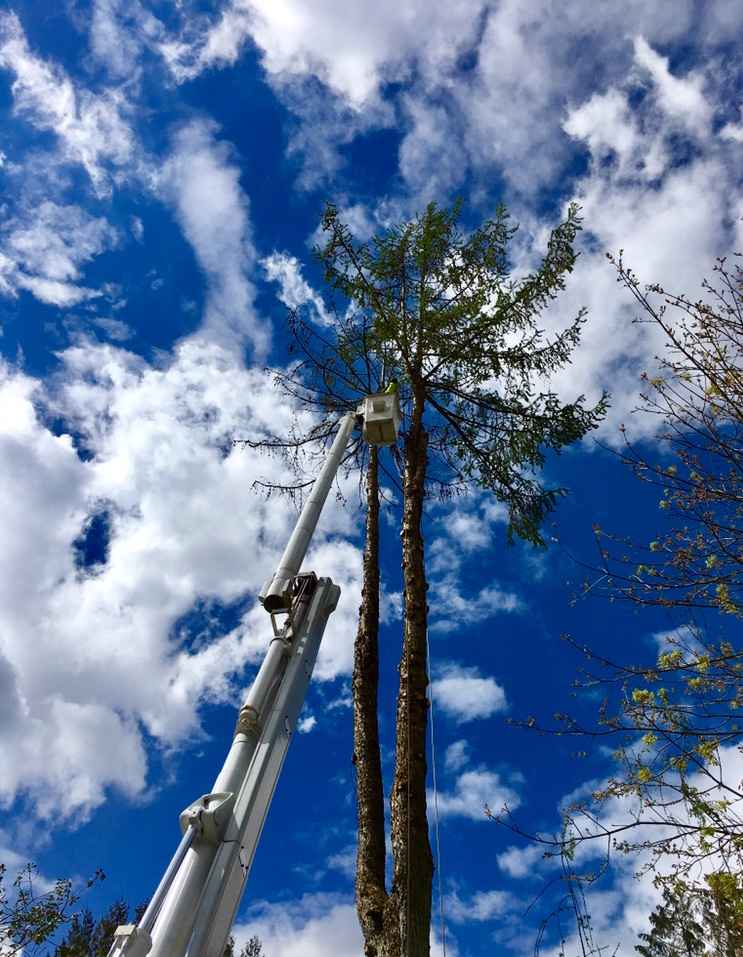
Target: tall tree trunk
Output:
[(371, 894), (412, 859)]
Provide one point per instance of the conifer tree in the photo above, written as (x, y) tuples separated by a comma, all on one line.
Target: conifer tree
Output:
[(435, 310), (473, 364), (695, 921)]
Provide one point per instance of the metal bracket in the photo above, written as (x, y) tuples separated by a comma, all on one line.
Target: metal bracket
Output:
[(298, 589), (130, 941), (208, 815), (279, 631)]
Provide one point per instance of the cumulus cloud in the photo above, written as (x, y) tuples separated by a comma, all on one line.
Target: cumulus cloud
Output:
[(670, 214), (464, 694), (481, 906), (353, 49), (474, 791), (621, 902), (202, 180), (316, 925), (520, 861), (90, 128), (451, 610), (306, 724), (462, 531), (152, 451), (502, 115), (344, 862)]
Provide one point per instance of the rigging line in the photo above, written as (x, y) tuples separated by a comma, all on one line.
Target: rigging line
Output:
[(435, 801)]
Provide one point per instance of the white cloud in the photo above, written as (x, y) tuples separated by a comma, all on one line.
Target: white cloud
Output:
[(202, 180), (294, 290), (686, 637), (450, 610), (115, 329), (464, 694), (733, 131), (621, 902), (669, 217), (353, 50), (520, 861), (316, 925), (105, 660), (306, 724), (344, 862), (119, 30), (428, 164), (481, 906), (502, 115), (609, 127), (54, 293), (473, 791), (90, 128), (44, 248), (137, 227), (456, 755), (682, 99), (467, 528)]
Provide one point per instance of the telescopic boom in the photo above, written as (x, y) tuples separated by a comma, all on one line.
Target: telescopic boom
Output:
[(192, 911)]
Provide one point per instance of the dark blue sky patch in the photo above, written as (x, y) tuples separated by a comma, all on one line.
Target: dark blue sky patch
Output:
[(207, 619), (91, 546)]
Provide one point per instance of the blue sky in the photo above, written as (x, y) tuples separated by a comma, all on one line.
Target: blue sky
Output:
[(163, 172)]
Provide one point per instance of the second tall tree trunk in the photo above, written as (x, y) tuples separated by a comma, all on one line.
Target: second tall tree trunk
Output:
[(412, 860)]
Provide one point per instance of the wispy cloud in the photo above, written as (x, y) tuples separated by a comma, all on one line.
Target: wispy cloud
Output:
[(44, 247), (202, 180), (294, 290), (90, 128)]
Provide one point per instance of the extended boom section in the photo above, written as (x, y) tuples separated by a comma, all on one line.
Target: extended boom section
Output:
[(192, 910)]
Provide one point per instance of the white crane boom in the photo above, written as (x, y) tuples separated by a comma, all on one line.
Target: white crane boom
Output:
[(192, 911)]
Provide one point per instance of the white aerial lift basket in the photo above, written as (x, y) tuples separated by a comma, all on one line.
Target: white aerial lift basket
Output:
[(381, 414)]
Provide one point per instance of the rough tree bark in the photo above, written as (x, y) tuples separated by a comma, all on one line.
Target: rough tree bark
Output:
[(411, 850), (371, 893)]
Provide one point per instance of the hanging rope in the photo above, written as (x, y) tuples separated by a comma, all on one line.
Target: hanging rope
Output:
[(435, 801)]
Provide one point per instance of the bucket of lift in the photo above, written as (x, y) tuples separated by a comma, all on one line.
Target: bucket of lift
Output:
[(381, 414)]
